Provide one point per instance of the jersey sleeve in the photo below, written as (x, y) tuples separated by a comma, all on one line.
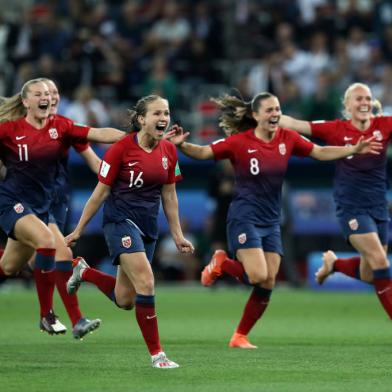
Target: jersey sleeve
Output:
[(4, 130), (80, 145), (111, 164), (174, 167), (222, 149), (302, 146), (388, 124), (75, 130), (323, 130)]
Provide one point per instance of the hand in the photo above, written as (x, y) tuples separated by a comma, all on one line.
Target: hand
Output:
[(176, 135), (368, 146), (184, 246), (72, 238)]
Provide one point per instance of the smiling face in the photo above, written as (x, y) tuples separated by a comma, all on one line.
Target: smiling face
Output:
[(36, 99), (268, 115), (358, 104), (54, 97), (156, 119)]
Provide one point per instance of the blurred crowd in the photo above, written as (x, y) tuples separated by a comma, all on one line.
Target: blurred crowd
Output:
[(104, 54)]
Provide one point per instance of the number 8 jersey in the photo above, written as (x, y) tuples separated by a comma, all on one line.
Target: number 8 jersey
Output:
[(136, 178), (259, 168)]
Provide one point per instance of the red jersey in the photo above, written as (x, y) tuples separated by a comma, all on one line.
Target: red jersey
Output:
[(136, 178), (361, 180), (32, 159), (259, 168)]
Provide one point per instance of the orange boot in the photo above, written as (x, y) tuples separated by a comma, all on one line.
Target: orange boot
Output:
[(214, 268), (240, 341)]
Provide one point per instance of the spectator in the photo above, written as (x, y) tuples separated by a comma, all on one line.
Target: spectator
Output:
[(85, 109)]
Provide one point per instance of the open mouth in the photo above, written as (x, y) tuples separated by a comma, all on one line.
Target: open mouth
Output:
[(161, 127), (43, 106)]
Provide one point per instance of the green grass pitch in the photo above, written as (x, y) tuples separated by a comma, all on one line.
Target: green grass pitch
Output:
[(307, 342)]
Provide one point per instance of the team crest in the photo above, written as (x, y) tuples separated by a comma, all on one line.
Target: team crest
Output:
[(126, 241), (353, 223), (18, 208), (378, 135), (53, 133), (165, 163), (282, 149), (242, 238)]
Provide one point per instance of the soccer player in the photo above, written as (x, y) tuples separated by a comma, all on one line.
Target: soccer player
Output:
[(47, 280), (31, 148), (360, 187), (259, 151), (135, 175)]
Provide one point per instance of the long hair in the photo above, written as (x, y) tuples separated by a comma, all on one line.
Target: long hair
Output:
[(347, 95), (237, 113), (12, 108), (140, 109)]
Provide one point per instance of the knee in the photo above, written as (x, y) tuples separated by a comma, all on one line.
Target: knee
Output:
[(269, 283), (46, 241), (257, 277), (145, 286), (10, 270), (378, 261), (125, 304), (64, 253)]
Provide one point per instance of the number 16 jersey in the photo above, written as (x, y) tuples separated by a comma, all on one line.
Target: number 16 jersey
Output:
[(136, 178)]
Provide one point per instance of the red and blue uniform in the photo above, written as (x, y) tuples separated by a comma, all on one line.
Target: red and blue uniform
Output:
[(32, 159), (61, 195), (136, 177), (254, 214), (360, 182)]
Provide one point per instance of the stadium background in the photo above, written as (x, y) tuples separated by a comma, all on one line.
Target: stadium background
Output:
[(105, 54)]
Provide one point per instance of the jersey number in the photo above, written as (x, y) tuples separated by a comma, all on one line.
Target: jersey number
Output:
[(23, 152), (254, 166), (136, 182)]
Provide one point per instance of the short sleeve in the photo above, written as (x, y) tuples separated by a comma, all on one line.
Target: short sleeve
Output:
[(4, 130), (80, 145), (222, 149), (387, 120), (323, 130), (75, 130), (110, 165), (302, 146)]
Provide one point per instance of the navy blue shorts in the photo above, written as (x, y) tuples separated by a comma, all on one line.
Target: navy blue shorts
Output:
[(124, 237), (247, 235), (58, 214), (362, 223), (9, 215)]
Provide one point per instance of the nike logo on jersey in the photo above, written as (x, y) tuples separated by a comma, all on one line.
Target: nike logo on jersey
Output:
[(19, 137), (346, 139), (151, 317), (250, 151), (132, 164)]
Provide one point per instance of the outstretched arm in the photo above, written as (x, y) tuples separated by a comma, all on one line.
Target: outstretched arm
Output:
[(100, 194), (296, 125), (105, 135), (92, 159), (170, 207), (328, 153), (177, 136)]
